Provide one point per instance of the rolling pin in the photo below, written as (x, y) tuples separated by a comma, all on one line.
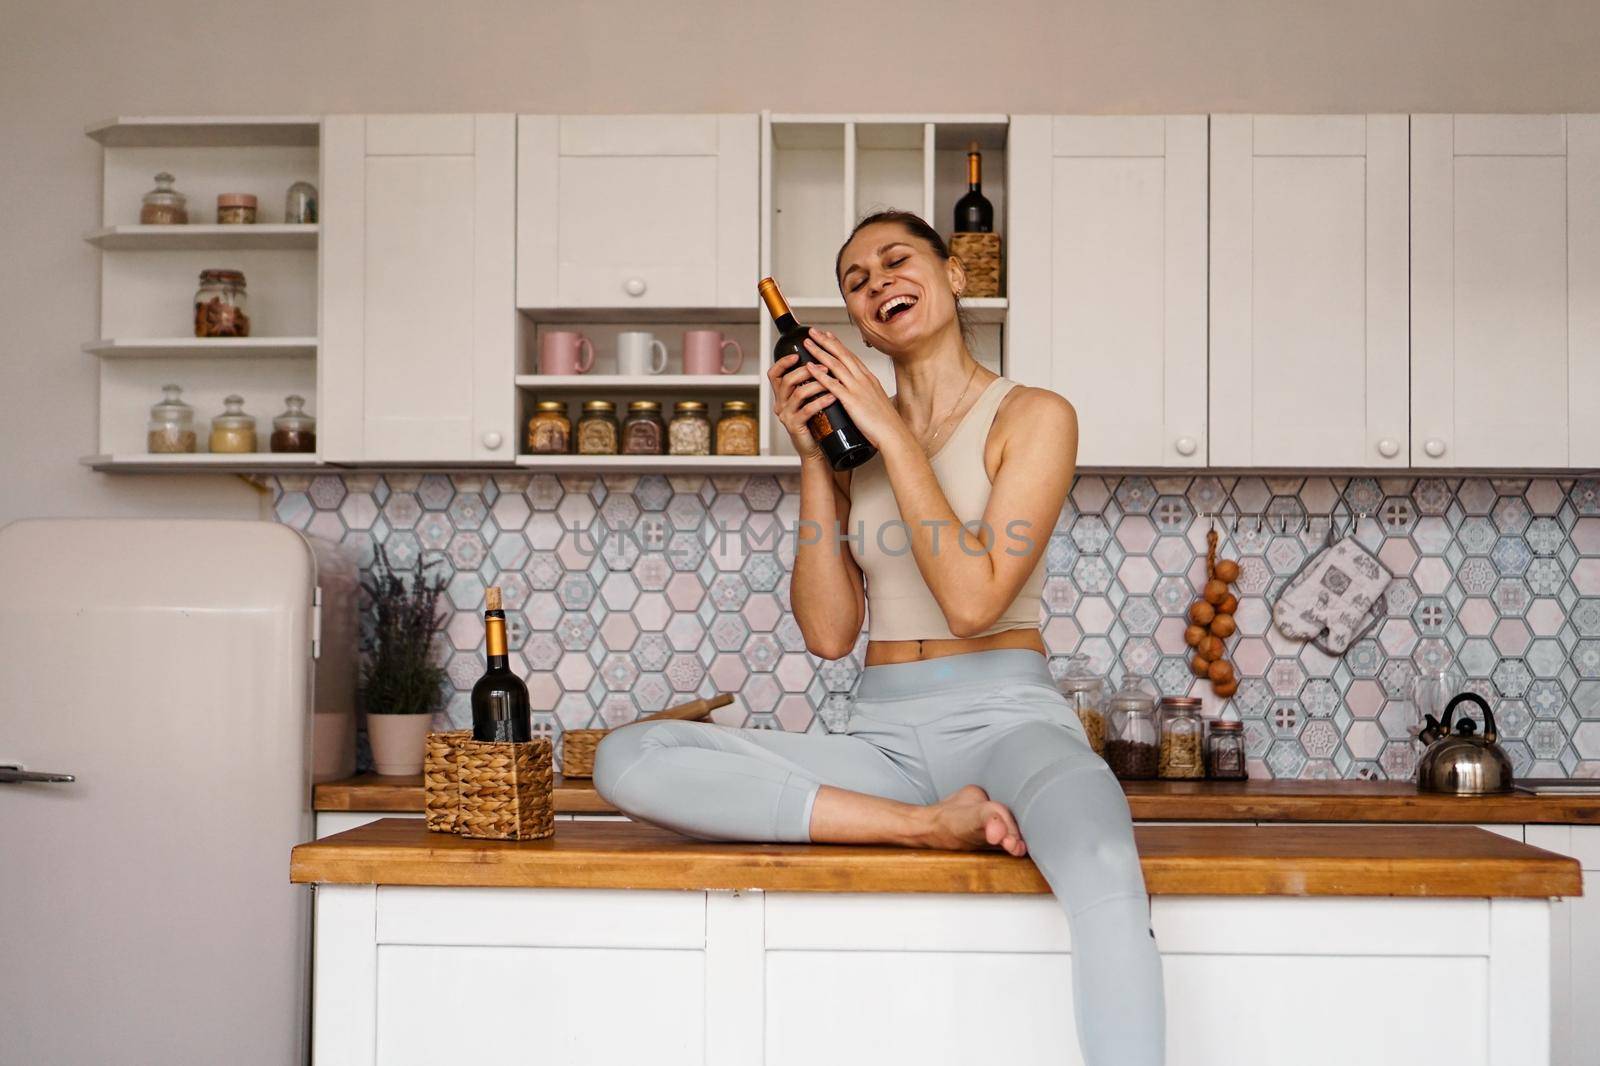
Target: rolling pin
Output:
[(694, 710)]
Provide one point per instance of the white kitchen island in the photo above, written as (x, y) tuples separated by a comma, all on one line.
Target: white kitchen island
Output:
[(616, 942)]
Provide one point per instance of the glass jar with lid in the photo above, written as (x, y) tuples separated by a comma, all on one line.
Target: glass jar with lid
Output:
[(300, 204), (689, 433), (164, 205), (1132, 736), (737, 428), (236, 209), (549, 428), (171, 427), (219, 305), (1085, 690), (294, 430), (597, 429), (233, 431), (1225, 751), (643, 433), (1181, 737)]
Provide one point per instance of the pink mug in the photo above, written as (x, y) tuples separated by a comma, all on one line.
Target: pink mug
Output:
[(558, 353), (702, 352)]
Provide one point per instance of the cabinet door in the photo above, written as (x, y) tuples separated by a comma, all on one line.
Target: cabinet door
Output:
[(637, 210), (418, 342), (1108, 280), (1505, 290), (1574, 946), (1308, 291)]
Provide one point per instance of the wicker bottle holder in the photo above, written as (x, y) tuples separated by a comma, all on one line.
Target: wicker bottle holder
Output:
[(489, 790), (980, 255), (577, 751)]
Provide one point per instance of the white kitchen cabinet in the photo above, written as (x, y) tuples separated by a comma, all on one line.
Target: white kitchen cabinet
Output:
[(1108, 280), (1505, 345), (637, 210), (417, 288), (1309, 291), (1575, 946)]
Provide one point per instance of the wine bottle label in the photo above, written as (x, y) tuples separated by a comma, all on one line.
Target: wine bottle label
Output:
[(495, 636), (819, 425)]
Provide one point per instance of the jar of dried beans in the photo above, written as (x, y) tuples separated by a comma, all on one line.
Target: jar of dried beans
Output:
[(164, 205), (643, 433), (737, 429), (549, 430), (1181, 727), (1132, 737), (219, 305), (171, 427), (690, 430), (597, 429), (236, 209), (233, 431)]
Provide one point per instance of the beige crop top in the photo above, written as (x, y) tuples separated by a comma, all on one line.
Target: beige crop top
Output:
[(899, 604)]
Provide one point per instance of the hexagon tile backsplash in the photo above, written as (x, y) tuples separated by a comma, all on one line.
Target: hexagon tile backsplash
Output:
[(628, 594)]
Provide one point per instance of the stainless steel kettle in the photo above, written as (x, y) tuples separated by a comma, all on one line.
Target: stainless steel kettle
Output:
[(1463, 762)]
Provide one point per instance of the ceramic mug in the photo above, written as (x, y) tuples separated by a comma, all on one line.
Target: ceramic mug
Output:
[(702, 352), (559, 353), (640, 353)]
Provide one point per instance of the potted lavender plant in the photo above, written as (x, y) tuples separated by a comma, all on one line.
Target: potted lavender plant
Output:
[(402, 680)]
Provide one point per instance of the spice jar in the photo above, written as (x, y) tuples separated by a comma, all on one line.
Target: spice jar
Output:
[(171, 428), (1225, 751), (1132, 739), (164, 205), (549, 430), (1084, 689), (236, 209), (643, 433), (597, 429), (300, 204), (736, 429), (1181, 737), (689, 433), (219, 305), (294, 430), (233, 431)]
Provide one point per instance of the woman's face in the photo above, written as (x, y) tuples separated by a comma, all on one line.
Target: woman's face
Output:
[(898, 292)]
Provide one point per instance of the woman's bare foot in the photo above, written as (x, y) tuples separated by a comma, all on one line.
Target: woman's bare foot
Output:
[(968, 820)]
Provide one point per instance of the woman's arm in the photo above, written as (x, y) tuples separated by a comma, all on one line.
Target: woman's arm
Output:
[(825, 591), (973, 575)]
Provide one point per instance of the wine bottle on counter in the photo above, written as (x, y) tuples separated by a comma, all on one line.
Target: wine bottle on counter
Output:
[(974, 212), (844, 445), (500, 709)]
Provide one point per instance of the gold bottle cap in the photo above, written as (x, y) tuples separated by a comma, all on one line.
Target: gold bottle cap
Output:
[(644, 405), (736, 407), (491, 598), (689, 407), (551, 405), (777, 306), (602, 406)]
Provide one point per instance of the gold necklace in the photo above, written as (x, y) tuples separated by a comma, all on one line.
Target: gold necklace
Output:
[(951, 413)]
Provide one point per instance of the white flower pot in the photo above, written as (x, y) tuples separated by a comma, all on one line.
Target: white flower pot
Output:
[(398, 741)]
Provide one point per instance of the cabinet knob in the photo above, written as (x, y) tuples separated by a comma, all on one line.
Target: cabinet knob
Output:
[(1185, 445), (634, 286), (492, 440), (1433, 446), (1388, 448)]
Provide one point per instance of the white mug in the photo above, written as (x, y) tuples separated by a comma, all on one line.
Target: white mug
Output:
[(640, 353)]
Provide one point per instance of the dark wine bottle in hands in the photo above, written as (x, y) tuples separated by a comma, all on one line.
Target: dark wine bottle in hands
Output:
[(845, 446)]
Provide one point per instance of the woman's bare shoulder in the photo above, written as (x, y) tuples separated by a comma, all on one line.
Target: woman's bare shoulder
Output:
[(1037, 410)]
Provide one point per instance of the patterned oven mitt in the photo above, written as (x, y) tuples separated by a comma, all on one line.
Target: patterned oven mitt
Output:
[(1335, 592)]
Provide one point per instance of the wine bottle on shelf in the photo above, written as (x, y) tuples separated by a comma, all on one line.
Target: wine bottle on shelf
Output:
[(974, 212), (845, 446), (500, 709)]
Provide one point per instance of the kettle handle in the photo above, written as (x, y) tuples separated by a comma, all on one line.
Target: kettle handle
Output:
[(1490, 731)]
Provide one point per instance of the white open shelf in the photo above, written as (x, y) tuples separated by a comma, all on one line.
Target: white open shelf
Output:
[(663, 464), (638, 382), (203, 461), (207, 131), (209, 238), (210, 347)]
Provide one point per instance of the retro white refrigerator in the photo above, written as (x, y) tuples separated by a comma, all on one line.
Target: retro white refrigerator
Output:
[(146, 913)]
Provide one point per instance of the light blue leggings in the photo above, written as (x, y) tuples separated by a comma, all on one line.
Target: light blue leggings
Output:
[(918, 732)]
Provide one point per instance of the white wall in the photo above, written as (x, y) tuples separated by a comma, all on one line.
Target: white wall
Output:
[(66, 63)]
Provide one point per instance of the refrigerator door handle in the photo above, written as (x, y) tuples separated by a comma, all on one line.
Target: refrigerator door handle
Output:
[(13, 774)]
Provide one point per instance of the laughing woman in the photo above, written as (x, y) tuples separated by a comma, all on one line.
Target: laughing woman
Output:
[(958, 737)]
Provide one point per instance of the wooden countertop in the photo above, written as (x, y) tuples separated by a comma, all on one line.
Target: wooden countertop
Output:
[(1150, 801), (1178, 860)]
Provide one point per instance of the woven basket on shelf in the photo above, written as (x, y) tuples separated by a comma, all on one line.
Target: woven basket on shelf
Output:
[(980, 255), (577, 751), (504, 791)]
